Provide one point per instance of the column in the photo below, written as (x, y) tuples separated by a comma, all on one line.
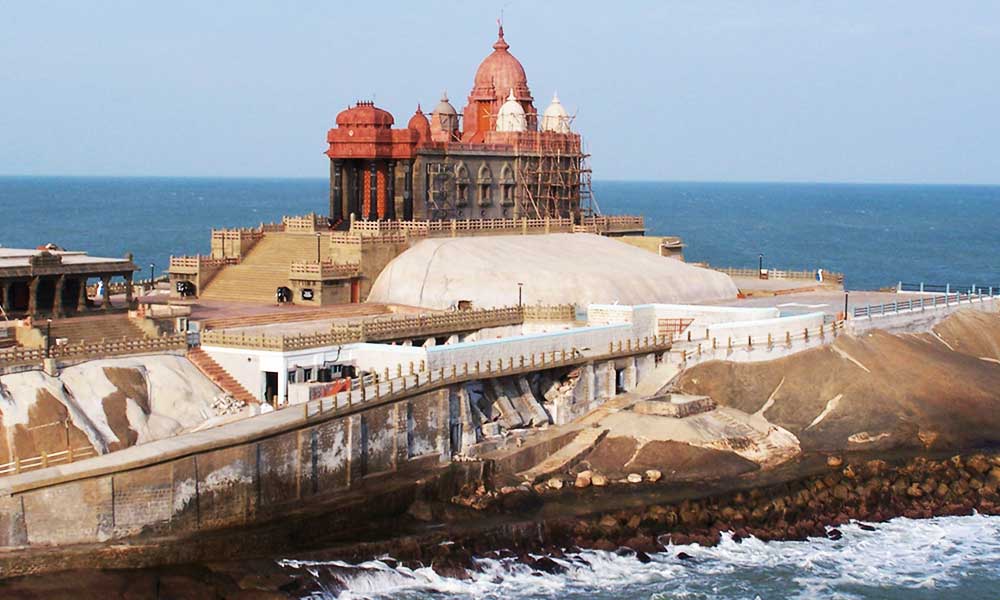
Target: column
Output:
[(408, 190), (81, 303), (390, 190), (8, 288), (33, 296), (57, 303), (106, 289), (373, 191), (128, 289), (354, 198), (336, 190)]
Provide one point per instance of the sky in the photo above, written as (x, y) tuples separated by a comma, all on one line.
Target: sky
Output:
[(846, 91)]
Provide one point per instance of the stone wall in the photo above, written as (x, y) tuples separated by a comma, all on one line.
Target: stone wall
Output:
[(228, 486)]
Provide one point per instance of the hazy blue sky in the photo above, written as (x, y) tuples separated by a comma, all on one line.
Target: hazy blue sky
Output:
[(743, 91)]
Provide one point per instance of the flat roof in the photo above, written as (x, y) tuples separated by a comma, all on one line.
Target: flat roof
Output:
[(73, 260)]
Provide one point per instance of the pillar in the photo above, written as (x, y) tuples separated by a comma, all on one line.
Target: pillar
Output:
[(57, 303), (8, 288), (81, 303), (336, 190), (354, 197), (106, 292), (408, 190), (282, 386), (128, 289), (33, 296), (372, 191), (390, 191)]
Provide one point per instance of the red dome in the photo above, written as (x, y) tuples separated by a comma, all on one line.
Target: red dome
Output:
[(365, 114), (420, 124), (499, 73)]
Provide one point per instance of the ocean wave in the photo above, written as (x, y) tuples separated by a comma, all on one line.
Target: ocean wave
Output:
[(903, 558)]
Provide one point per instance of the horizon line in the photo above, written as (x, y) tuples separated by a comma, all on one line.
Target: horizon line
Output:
[(596, 180)]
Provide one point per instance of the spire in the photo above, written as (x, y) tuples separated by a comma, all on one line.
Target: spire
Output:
[(444, 96), (511, 96), (500, 43), (419, 112), (555, 97)]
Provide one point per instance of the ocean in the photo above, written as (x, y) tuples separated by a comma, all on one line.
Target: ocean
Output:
[(876, 234), (945, 557)]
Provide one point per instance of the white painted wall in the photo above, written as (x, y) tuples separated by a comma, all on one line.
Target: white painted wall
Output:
[(739, 331), (596, 339)]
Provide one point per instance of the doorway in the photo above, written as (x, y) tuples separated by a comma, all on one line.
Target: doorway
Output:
[(271, 388)]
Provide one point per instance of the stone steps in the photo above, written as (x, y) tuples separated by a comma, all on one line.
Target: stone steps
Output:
[(265, 268), (219, 375), (92, 330)]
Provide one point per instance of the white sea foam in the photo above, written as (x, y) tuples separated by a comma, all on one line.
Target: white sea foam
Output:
[(947, 556)]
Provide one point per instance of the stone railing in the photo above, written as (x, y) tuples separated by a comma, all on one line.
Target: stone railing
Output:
[(310, 223), (752, 273), (203, 268), (323, 271), (428, 325), (608, 223), (557, 312), (387, 387), (230, 243), (380, 330), (102, 349)]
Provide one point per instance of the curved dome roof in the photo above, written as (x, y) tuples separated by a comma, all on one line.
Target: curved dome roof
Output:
[(444, 107), (419, 123), (500, 72), (511, 115), (555, 117), (438, 272), (365, 114)]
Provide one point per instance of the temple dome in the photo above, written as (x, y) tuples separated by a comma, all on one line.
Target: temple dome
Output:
[(444, 119), (500, 72), (578, 268), (365, 114), (418, 122), (511, 116), (555, 118)]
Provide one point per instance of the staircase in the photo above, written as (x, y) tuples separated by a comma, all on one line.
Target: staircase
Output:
[(207, 365), (92, 330), (265, 268)]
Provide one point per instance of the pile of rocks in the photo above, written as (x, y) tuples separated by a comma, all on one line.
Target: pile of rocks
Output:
[(227, 405)]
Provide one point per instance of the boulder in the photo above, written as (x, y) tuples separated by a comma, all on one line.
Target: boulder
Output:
[(582, 480), (599, 480), (555, 483), (634, 478), (653, 475), (834, 462)]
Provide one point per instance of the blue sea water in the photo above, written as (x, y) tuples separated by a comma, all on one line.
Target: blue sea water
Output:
[(876, 234)]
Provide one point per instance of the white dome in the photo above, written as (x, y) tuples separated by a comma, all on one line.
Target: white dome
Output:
[(555, 118), (511, 116), (444, 119), (438, 272)]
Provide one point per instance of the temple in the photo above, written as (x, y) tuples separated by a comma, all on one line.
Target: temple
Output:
[(497, 159), (52, 282)]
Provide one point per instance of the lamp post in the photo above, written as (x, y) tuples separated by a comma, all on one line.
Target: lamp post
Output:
[(846, 294), (760, 265), (48, 338), (152, 267), (520, 295), (319, 236)]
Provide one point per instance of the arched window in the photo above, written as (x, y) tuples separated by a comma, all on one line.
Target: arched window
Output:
[(506, 185), (462, 181), (484, 181)]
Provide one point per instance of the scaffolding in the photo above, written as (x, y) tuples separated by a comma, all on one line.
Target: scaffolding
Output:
[(553, 175)]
